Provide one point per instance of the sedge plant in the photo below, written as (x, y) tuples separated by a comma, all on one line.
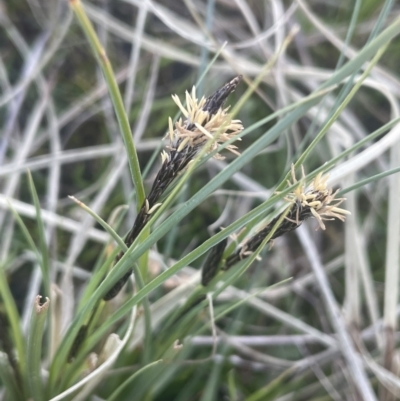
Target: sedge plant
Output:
[(291, 293)]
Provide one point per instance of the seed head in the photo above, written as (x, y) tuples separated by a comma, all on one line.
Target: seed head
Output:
[(212, 262), (317, 199), (204, 119), (313, 200)]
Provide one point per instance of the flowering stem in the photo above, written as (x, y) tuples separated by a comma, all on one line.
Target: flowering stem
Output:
[(118, 103), (206, 124), (116, 97)]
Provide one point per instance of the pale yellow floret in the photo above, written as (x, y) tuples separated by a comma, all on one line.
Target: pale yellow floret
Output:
[(339, 210), (201, 116), (164, 156), (180, 105), (218, 126), (154, 208), (190, 101), (183, 144), (318, 198), (232, 149), (203, 130), (171, 129), (319, 218)]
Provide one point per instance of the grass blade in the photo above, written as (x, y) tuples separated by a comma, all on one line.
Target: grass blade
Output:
[(116, 97), (34, 355), (44, 255), (127, 382)]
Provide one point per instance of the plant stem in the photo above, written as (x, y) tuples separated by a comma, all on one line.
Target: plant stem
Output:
[(116, 97), (35, 349)]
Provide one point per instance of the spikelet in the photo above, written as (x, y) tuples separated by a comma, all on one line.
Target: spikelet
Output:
[(203, 119), (314, 200)]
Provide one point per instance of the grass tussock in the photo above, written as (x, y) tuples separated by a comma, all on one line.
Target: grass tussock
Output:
[(144, 255)]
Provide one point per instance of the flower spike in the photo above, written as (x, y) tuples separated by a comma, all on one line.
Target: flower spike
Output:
[(205, 119), (313, 200)]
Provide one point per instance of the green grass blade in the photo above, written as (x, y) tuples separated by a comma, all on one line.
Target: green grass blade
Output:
[(11, 387), (104, 224), (129, 380), (136, 270), (351, 29), (273, 389), (116, 97), (381, 18), (44, 254), (25, 232), (124, 309), (373, 178), (14, 320), (34, 354)]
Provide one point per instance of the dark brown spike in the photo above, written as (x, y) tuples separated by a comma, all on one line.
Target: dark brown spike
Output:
[(294, 219), (76, 345), (211, 264), (118, 285), (218, 98), (170, 169)]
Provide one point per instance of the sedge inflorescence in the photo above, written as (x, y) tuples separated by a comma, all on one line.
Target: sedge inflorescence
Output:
[(202, 123), (315, 200), (205, 122)]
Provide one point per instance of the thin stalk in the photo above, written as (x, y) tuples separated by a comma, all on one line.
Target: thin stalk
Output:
[(44, 254), (366, 181), (116, 97), (204, 53), (381, 19), (134, 56), (350, 31)]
